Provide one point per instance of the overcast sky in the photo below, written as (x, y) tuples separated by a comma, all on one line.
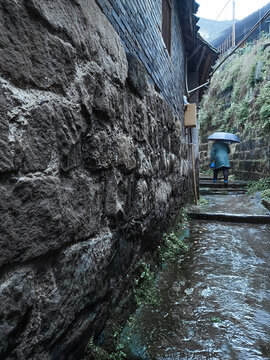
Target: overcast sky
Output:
[(210, 9)]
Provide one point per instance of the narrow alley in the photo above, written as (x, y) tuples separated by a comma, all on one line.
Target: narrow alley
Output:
[(215, 300), (109, 112)]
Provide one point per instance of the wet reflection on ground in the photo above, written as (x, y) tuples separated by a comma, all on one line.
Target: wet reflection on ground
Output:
[(236, 204), (214, 303)]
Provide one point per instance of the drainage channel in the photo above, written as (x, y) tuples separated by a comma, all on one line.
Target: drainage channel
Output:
[(213, 302)]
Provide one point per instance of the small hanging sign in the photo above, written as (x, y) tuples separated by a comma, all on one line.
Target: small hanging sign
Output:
[(191, 115)]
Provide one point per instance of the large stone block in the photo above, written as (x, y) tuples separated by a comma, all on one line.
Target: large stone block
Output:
[(162, 195), (137, 75), (98, 151), (40, 303), (79, 271), (104, 98), (31, 53), (143, 198), (41, 214), (103, 43), (70, 126), (145, 167), (125, 152), (34, 152), (115, 201)]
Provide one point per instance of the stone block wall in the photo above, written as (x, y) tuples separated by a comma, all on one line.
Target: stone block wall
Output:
[(93, 167), (139, 24), (251, 159)]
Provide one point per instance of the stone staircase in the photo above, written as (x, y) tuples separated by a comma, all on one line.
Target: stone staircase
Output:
[(230, 203), (207, 187)]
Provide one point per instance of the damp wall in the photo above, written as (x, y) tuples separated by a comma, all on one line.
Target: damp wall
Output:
[(93, 168)]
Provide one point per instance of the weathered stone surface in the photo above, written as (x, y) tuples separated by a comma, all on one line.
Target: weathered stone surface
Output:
[(41, 214), (144, 163), (41, 304), (137, 75), (17, 298), (69, 127), (115, 202), (82, 157), (33, 152), (75, 277), (44, 61), (6, 157), (142, 194), (125, 152)]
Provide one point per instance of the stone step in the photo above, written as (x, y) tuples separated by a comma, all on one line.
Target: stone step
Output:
[(266, 203), (234, 185), (222, 191), (209, 178), (202, 177), (238, 218)]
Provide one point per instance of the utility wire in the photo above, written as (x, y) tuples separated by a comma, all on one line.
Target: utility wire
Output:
[(203, 35), (223, 10), (242, 41)]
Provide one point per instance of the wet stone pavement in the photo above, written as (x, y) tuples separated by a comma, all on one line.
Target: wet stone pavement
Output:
[(214, 302)]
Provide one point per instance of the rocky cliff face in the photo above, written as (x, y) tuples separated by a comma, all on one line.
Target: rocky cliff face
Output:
[(92, 169)]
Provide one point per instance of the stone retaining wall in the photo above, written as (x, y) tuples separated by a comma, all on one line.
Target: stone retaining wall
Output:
[(251, 159), (93, 168)]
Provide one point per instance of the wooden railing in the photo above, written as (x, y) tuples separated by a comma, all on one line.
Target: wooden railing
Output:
[(226, 45)]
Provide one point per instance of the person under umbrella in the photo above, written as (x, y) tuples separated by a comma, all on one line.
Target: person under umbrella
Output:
[(219, 159)]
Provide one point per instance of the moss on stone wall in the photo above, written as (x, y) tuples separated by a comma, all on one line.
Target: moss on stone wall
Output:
[(238, 101)]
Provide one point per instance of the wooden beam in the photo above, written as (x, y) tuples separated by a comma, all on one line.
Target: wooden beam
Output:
[(200, 59), (206, 68), (194, 52)]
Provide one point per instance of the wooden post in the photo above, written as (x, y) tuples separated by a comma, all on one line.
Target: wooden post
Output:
[(193, 169), (194, 175), (233, 26)]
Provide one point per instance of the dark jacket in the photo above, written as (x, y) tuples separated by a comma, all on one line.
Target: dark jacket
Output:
[(220, 154)]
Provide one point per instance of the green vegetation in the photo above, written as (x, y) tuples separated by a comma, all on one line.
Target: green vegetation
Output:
[(238, 99), (266, 193), (216, 320), (93, 351), (173, 243), (119, 353), (145, 291), (205, 171), (263, 105), (262, 185), (203, 202), (172, 246)]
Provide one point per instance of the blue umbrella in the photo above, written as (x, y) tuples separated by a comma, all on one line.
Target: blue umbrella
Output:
[(224, 136)]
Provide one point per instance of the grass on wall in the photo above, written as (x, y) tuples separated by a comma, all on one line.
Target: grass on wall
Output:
[(238, 99)]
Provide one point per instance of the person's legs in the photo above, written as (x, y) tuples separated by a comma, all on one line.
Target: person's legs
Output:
[(215, 174), (225, 174)]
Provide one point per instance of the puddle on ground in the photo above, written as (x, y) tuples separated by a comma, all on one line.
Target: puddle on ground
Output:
[(214, 303)]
